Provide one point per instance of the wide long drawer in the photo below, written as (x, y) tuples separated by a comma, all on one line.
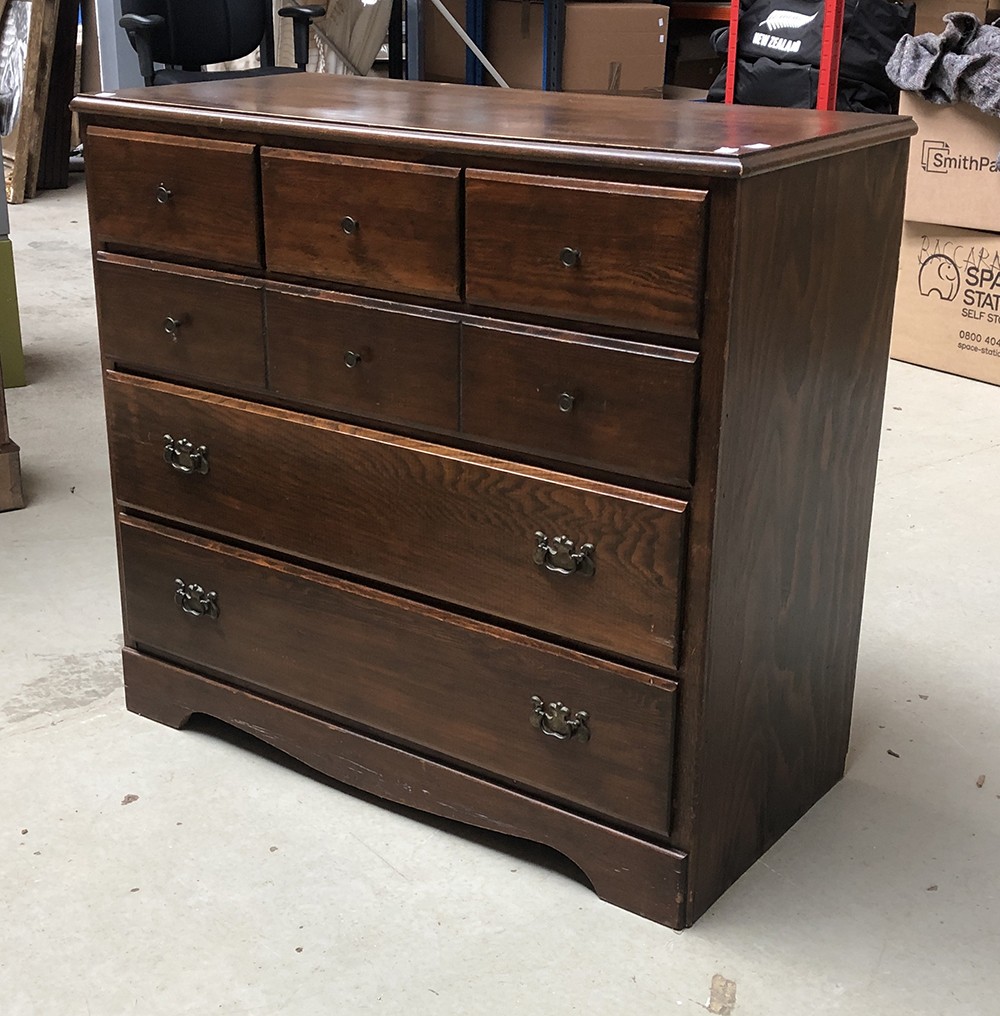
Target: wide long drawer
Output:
[(591, 562), (462, 689)]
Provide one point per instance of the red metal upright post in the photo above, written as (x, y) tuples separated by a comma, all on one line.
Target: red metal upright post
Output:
[(829, 56)]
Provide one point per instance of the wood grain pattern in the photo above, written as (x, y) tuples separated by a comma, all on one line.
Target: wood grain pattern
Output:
[(749, 590), (408, 368), (805, 378), (455, 526), (625, 870), (461, 689), (632, 409), (641, 250), (213, 210), (220, 332), (547, 127), (406, 237)]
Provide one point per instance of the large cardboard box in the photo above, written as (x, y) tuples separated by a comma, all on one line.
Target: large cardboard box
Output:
[(444, 50), (617, 48), (948, 301), (952, 177), (930, 14)]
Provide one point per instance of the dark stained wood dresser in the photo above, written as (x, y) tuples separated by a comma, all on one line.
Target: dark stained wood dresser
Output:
[(507, 455)]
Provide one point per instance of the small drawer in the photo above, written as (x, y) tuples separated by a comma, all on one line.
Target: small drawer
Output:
[(615, 254), (458, 688), (363, 358), (598, 404), (180, 322), (185, 196), (379, 225), (590, 562)]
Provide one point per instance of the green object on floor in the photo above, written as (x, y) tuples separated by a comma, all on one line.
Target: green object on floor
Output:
[(11, 354)]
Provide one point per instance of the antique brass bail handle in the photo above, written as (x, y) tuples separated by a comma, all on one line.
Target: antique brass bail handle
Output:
[(195, 600), (555, 720), (182, 455), (561, 556)]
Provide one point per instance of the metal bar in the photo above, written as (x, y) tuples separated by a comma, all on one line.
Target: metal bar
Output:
[(396, 67), (475, 25), (553, 40), (734, 38), (414, 40), (464, 35), (829, 56)]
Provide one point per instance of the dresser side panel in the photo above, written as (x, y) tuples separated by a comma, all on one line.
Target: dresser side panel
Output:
[(805, 378)]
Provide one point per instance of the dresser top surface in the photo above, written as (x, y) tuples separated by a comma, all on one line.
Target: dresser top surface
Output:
[(710, 138)]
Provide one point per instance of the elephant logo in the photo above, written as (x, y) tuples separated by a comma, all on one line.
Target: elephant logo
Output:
[(939, 274)]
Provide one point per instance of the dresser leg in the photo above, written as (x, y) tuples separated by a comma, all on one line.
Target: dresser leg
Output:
[(155, 699), (625, 870)]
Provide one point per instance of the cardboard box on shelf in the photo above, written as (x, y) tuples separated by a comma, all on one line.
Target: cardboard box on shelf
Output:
[(930, 14), (444, 50), (947, 312), (616, 48), (691, 58), (952, 177)]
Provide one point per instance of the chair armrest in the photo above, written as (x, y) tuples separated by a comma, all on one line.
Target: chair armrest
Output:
[(140, 29), (302, 17)]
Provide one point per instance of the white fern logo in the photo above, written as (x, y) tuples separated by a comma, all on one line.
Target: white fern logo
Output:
[(787, 19)]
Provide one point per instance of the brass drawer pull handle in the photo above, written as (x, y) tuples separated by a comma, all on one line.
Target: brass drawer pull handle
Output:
[(349, 225), (171, 326), (181, 454), (554, 720), (163, 194), (559, 555), (193, 599), (570, 257), (566, 401), (352, 359)]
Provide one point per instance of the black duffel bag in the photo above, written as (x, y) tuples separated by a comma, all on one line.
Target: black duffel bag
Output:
[(777, 58)]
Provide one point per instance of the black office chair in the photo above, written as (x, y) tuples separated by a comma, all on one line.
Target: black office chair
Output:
[(184, 35)]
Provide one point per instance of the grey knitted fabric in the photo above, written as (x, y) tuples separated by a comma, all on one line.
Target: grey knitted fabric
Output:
[(960, 64)]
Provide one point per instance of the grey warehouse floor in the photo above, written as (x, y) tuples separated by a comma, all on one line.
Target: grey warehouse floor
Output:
[(162, 873)]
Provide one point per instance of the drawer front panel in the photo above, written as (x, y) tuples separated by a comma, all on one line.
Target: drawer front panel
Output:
[(179, 195), (627, 411), (363, 358), (451, 525), (458, 688), (615, 254), (181, 322), (382, 225)]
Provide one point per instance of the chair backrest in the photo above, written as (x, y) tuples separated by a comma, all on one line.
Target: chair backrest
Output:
[(199, 32)]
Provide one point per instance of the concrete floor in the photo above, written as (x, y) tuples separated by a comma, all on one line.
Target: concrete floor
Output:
[(235, 883)]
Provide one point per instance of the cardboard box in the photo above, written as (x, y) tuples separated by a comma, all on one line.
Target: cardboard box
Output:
[(614, 48), (948, 301), (691, 58), (952, 177), (444, 50), (930, 14)]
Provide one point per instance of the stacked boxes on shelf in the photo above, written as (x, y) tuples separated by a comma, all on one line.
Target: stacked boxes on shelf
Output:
[(610, 47), (947, 312)]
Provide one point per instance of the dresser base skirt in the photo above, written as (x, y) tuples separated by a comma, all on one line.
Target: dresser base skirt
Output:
[(625, 870)]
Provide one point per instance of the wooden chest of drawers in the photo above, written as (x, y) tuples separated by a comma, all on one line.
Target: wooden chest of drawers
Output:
[(506, 455)]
